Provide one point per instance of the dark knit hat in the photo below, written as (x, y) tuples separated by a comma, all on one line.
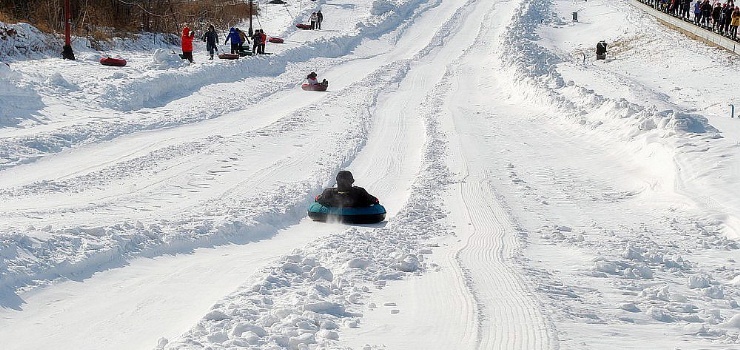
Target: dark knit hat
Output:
[(345, 175)]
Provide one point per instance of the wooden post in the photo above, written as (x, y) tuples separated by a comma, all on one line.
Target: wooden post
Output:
[(251, 31)]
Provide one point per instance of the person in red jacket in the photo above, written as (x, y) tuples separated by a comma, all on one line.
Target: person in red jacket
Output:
[(263, 41), (187, 43)]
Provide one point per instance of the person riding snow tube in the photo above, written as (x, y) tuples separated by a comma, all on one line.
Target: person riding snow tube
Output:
[(346, 203), (312, 83)]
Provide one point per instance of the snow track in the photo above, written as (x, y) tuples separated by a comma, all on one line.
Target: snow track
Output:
[(536, 199), (204, 179), (510, 317)]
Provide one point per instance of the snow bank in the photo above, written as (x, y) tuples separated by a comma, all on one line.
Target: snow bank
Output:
[(536, 76), (20, 101), (24, 40)]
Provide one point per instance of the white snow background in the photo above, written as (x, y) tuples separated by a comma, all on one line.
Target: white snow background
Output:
[(537, 198)]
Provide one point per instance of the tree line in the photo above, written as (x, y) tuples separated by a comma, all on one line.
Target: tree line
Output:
[(105, 18)]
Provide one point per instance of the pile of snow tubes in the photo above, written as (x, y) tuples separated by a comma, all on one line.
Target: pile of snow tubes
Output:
[(348, 215)]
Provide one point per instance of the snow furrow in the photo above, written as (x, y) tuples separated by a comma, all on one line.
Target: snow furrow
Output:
[(511, 319)]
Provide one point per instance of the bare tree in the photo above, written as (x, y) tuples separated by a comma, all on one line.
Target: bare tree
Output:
[(117, 16)]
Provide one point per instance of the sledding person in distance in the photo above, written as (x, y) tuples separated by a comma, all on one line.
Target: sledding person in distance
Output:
[(312, 79), (345, 194), (187, 43), (235, 40), (211, 38), (319, 19)]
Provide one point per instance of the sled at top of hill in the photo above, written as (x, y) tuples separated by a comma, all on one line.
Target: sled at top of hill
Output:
[(110, 61)]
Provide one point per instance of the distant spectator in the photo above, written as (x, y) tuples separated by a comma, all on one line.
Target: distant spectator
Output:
[(319, 19), (716, 14), (727, 17), (187, 43), (706, 14), (735, 22), (673, 7), (697, 12), (685, 9)]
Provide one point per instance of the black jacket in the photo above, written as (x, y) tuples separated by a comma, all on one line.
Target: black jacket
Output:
[(346, 197), (211, 38)]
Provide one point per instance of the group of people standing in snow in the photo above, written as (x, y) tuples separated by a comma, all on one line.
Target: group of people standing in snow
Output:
[(236, 36), (316, 19), (717, 16)]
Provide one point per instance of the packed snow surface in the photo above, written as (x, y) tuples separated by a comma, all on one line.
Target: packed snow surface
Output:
[(537, 198)]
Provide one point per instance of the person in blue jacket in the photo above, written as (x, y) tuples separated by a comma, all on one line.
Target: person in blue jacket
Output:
[(235, 40)]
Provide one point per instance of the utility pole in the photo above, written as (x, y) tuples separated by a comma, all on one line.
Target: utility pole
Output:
[(251, 31), (67, 52)]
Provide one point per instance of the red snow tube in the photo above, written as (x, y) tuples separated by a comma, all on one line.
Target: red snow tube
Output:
[(276, 40), (228, 56), (303, 26), (314, 87), (110, 61)]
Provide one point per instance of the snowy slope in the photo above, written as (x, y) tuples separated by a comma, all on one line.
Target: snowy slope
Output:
[(537, 198)]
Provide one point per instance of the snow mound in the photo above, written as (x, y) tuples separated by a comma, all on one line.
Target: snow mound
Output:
[(381, 7), (20, 100), (165, 59)]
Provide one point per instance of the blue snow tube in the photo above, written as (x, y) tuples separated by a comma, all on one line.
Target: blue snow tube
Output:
[(349, 215)]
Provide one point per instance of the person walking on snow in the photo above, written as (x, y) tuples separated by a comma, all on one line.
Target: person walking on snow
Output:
[(235, 40), (211, 38), (187, 43)]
